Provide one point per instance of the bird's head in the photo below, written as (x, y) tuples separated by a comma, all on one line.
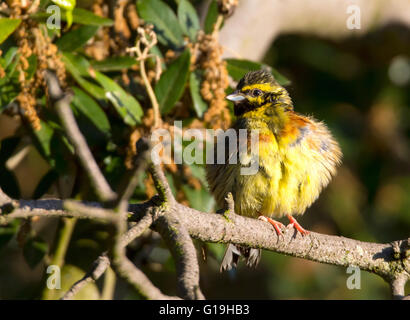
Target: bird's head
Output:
[(258, 90)]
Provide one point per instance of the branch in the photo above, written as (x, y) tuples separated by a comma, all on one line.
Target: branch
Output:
[(129, 272), (183, 250), (377, 258), (62, 105), (140, 164), (101, 264)]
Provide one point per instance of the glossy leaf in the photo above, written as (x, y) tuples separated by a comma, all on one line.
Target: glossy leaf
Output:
[(65, 4), (9, 183), (69, 275), (78, 67), (7, 147), (211, 17), (83, 16), (237, 68), (7, 232), (9, 56), (76, 38), (45, 183), (200, 106), (69, 6), (90, 109), (170, 86), (34, 251), (114, 64), (7, 27), (188, 19), (164, 20), (125, 104), (43, 138), (80, 16)]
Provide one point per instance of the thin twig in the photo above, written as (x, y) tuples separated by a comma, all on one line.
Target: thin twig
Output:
[(148, 37), (62, 105), (161, 184), (141, 162), (98, 268), (102, 262)]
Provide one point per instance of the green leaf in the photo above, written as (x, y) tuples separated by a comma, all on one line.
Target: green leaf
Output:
[(89, 108), (199, 199), (170, 86), (280, 78), (32, 66), (9, 56), (68, 5), (7, 147), (125, 104), (7, 232), (69, 17), (199, 173), (83, 16), (9, 84), (237, 68), (80, 16), (76, 38), (113, 64), (78, 67), (211, 17), (69, 275), (200, 106), (65, 4), (7, 27), (43, 138), (45, 184), (164, 20), (34, 251), (188, 19), (8, 182)]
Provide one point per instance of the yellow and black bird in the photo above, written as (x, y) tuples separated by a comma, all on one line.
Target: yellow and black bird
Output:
[(297, 157)]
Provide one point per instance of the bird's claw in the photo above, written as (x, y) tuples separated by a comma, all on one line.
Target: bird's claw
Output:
[(294, 224), (276, 224)]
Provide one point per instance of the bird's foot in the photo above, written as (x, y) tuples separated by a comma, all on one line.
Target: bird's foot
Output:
[(294, 224), (276, 224)]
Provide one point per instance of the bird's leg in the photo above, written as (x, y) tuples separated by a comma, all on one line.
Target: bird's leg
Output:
[(276, 224), (296, 225)]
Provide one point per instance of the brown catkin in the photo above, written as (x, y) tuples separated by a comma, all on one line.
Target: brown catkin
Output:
[(215, 81), (32, 39)]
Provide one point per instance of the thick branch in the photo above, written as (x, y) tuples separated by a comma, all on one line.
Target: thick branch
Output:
[(129, 272), (380, 259), (339, 251), (183, 250)]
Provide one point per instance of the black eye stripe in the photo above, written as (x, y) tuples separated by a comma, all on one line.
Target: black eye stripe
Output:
[(253, 92)]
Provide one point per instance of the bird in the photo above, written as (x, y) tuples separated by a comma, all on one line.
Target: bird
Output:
[(297, 158)]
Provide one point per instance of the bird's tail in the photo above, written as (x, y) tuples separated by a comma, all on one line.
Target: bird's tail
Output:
[(233, 252)]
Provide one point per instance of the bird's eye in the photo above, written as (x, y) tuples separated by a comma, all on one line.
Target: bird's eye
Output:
[(256, 92)]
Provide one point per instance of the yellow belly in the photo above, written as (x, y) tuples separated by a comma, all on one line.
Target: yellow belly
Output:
[(287, 182)]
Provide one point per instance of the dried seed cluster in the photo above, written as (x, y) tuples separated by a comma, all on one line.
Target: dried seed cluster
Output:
[(215, 80), (31, 39)]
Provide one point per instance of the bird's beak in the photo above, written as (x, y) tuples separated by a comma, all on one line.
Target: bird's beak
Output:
[(235, 97)]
